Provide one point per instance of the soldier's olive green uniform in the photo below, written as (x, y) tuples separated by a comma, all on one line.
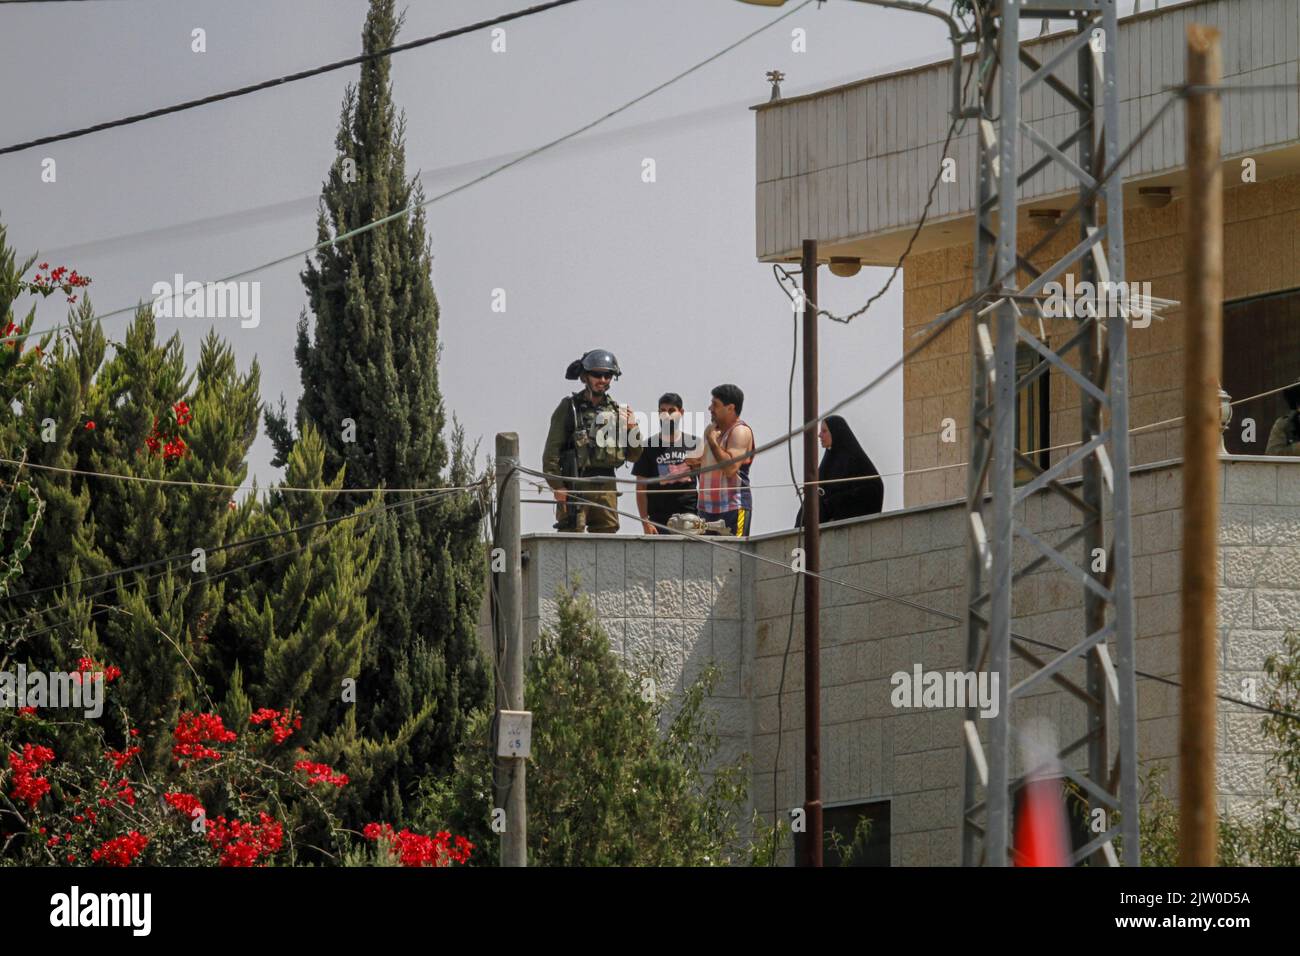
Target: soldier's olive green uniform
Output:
[(583, 441)]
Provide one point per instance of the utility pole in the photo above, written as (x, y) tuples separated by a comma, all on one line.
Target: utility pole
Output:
[(510, 628), (812, 678), (1198, 825)]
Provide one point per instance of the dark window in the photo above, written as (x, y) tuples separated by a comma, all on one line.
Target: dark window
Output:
[(1261, 351), (840, 825), (1032, 414)]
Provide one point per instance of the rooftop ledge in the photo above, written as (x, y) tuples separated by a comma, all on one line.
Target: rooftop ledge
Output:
[(917, 509), (852, 165)]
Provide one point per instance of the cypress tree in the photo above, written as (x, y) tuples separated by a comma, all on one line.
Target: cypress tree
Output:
[(368, 366)]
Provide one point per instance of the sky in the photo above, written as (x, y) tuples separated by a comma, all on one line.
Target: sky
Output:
[(662, 273)]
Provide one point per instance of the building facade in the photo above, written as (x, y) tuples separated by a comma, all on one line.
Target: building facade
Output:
[(679, 604), (851, 167)]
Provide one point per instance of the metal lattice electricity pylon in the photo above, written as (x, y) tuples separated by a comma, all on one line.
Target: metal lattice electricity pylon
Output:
[(1096, 552)]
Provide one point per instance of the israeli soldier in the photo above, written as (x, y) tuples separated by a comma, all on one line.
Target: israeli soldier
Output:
[(590, 437), (1284, 438)]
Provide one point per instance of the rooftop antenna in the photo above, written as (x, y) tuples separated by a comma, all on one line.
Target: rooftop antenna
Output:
[(775, 77)]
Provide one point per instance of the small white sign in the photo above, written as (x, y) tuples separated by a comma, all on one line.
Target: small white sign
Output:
[(515, 733)]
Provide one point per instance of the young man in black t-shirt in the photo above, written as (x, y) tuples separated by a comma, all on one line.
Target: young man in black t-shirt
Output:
[(664, 456)]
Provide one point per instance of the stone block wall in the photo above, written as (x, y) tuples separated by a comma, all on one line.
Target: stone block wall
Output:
[(894, 597), (669, 605)]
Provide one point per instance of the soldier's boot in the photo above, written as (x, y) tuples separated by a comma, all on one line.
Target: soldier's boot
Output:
[(568, 518)]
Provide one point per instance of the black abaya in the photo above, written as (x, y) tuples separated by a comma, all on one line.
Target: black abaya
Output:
[(846, 459)]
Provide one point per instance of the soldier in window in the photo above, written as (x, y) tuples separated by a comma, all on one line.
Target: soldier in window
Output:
[(1284, 439)]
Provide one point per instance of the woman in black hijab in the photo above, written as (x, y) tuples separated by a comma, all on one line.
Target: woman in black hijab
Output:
[(845, 458)]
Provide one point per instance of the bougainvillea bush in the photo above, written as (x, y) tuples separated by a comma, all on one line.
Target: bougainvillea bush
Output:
[(247, 795), (232, 636)]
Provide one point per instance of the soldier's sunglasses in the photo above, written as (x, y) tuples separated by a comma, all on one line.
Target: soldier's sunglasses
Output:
[(601, 373)]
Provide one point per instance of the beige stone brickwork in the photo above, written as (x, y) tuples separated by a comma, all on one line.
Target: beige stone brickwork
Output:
[(1260, 256), (687, 603)]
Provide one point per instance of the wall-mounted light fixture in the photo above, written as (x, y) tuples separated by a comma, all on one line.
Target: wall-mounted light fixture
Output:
[(845, 266), (1155, 197), (1044, 218)]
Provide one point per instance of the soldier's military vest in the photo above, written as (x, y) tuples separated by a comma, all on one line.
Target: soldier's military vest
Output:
[(596, 434)]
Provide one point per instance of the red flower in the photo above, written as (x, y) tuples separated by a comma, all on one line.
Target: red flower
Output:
[(186, 803), (193, 729), (242, 843), (120, 758), (321, 773), (283, 724), (415, 849), (86, 665), (90, 426), (121, 851), (174, 449), (27, 786)]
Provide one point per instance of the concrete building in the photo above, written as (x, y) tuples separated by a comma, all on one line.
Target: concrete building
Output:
[(850, 167)]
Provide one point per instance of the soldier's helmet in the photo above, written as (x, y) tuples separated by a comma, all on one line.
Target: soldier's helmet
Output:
[(593, 360)]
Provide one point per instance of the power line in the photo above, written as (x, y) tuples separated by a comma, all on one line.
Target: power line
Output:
[(419, 504), (898, 599), (406, 211), (282, 80), (226, 222), (801, 494), (962, 464), (188, 556), (144, 479), (1087, 195), (667, 491), (167, 570), (959, 118), (935, 327), (789, 436)]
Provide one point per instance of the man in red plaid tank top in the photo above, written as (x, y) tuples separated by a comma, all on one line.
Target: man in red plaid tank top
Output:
[(724, 492)]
